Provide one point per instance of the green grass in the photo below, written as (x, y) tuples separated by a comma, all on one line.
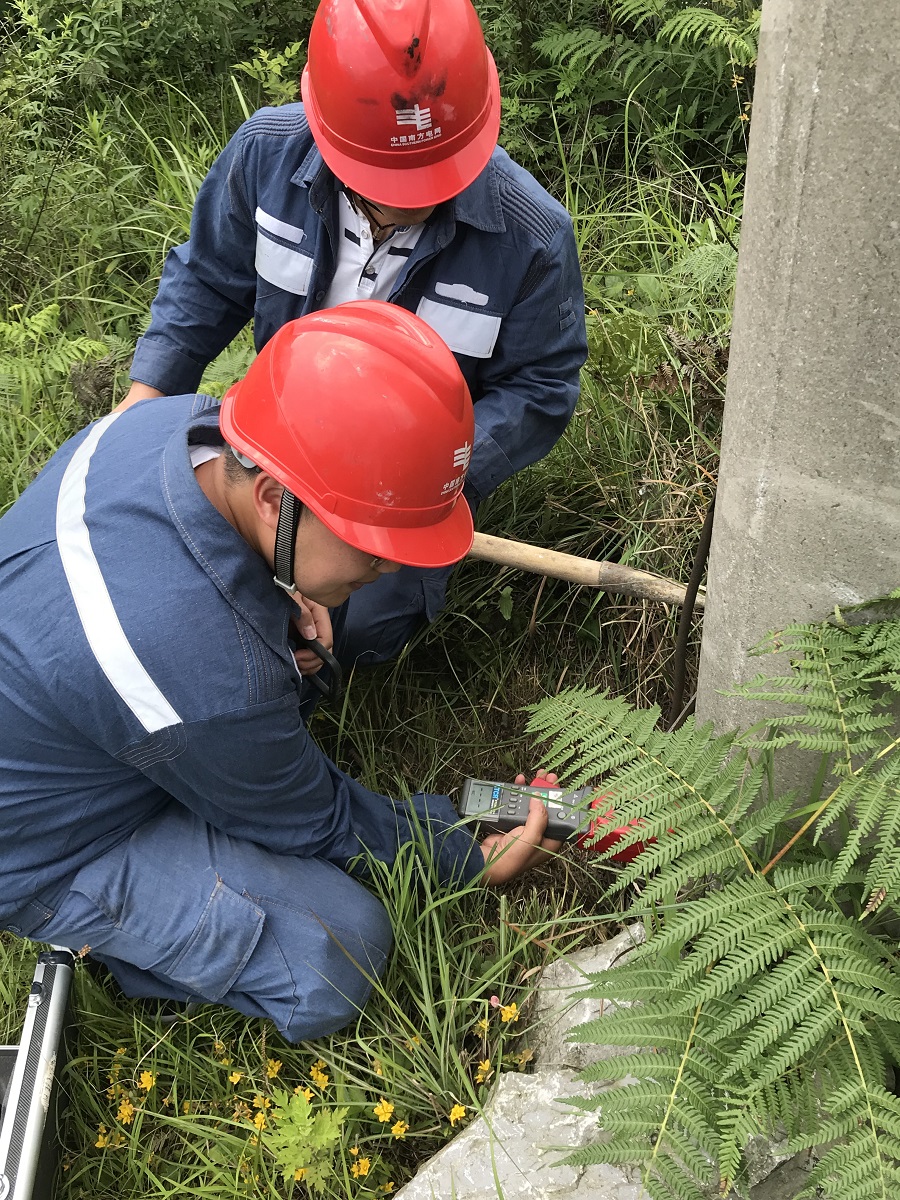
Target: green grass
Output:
[(430, 1025), (632, 477)]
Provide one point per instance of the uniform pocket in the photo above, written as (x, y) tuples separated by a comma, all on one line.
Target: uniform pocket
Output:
[(29, 920), (186, 926), (283, 264), (464, 331), (222, 941)]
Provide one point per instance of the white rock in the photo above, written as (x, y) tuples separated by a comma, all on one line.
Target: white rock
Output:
[(511, 1150), (558, 1011)]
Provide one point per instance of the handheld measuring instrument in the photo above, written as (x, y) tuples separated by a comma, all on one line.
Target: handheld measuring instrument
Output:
[(505, 806)]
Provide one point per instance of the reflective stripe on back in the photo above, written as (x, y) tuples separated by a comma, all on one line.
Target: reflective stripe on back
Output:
[(101, 625)]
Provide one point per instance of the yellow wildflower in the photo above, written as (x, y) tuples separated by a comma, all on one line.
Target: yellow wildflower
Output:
[(167, 1100), (457, 1112), (744, 117), (260, 1120), (218, 1047), (317, 1073), (376, 1066), (304, 1091), (484, 1069), (102, 1138), (388, 1187), (235, 1076), (299, 1173), (399, 1128), (415, 1040), (121, 1050), (354, 1150), (523, 1057), (736, 80), (126, 1112), (185, 1106), (273, 1066), (384, 1110), (146, 1081), (262, 1102), (360, 1168), (482, 1026), (509, 1012)]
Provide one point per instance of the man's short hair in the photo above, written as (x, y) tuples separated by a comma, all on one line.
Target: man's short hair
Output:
[(237, 472)]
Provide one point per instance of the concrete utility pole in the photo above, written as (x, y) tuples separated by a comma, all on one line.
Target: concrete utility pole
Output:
[(808, 508)]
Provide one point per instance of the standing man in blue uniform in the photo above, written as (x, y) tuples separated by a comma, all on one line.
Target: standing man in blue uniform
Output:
[(160, 798), (387, 183)]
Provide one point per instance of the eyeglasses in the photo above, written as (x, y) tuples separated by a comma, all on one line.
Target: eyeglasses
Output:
[(369, 210), (378, 563)]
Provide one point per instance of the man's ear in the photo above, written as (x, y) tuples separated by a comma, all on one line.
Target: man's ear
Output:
[(267, 494)]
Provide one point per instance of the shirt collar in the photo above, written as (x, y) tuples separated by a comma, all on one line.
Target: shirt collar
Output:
[(238, 572), (477, 205)]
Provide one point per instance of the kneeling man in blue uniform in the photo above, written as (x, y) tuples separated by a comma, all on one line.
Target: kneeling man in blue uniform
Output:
[(161, 800)]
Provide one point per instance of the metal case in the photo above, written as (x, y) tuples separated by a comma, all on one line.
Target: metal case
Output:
[(29, 1092)]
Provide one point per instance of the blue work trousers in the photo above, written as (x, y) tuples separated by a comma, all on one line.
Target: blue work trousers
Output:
[(183, 911), (381, 617)]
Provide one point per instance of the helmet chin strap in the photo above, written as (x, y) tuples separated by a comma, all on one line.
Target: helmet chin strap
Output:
[(285, 541)]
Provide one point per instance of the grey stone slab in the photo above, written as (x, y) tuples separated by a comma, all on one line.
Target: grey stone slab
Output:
[(511, 1150), (559, 1008)]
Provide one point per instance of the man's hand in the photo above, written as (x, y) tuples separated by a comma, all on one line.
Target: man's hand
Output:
[(507, 855), (311, 621), (137, 391)]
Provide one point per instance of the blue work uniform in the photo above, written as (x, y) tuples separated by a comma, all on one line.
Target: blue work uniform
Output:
[(495, 273), (161, 800)]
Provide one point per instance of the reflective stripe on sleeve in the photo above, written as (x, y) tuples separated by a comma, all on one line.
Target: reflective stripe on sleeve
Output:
[(101, 625)]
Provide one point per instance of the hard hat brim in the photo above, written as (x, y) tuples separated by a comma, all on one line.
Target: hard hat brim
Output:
[(439, 545), (411, 187)]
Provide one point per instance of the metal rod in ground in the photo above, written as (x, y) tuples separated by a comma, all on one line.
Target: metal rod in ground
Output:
[(611, 577)]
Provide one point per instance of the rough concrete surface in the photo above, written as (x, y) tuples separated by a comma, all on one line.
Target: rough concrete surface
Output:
[(808, 504)]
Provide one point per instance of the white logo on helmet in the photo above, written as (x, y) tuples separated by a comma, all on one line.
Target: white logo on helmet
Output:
[(419, 121), (463, 456), (420, 117)]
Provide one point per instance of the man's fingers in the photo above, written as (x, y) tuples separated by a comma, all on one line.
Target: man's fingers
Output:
[(304, 620), (533, 829), (307, 662)]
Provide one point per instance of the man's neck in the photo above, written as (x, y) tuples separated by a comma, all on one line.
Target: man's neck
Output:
[(233, 500)]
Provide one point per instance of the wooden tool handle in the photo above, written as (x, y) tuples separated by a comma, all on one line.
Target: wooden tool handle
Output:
[(612, 577)]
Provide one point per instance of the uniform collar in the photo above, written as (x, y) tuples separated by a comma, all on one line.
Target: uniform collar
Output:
[(478, 205), (242, 577)]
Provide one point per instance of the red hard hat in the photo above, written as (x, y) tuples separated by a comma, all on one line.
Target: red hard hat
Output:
[(363, 413), (402, 97)]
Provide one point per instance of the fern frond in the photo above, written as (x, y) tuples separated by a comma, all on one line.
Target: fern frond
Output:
[(866, 1162), (700, 26), (763, 1003), (831, 685), (638, 12)]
